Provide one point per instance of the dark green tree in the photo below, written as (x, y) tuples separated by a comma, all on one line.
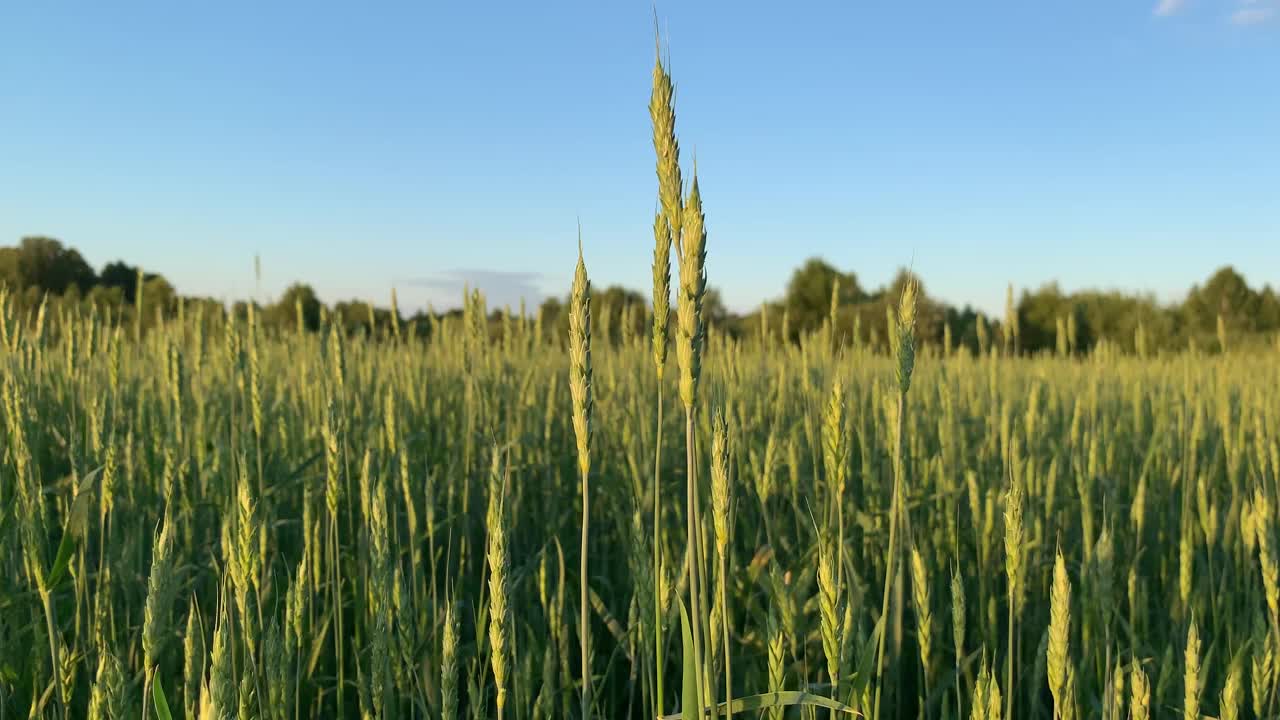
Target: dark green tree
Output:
[(122, 275), (283, 314), (1225, 293), (809, 294), (44, 263)]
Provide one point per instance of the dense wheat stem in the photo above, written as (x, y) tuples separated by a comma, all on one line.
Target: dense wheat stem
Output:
[(692, 564), (584, 618), (891, 554), (728, 657), (47, 601), (658, 578)]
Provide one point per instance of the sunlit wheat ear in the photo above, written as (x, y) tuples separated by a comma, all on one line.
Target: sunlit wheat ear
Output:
[(1059, 632), (1186, 563), (255, 374), (333, 459), (693, 282), (988, 703), (833, 441), (337, 355), (193, 662), (1191, 680), (1139, 693), (161, 586), (1069, 695), (1117, 691), (247, 565), (716, 627), (1013, 540), (247, 697), (662, 115), (777, 662), (276, 665), (108, 698), (661, 290), (395, 315), (1262, 662), (297, 601), (995, 704), (904, 339), (834, 313), (580, 363), (1263, 522), (764, 325), (222, 690), (1232, 695), (924, 613), (978, 701), (1138, 509), (829, 611), (1104, 569), (958, 622), (1014, 569), (499, 606), (720, 489), (449, 664)]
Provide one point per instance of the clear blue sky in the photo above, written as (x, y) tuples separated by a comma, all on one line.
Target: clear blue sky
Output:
[(357, 146)]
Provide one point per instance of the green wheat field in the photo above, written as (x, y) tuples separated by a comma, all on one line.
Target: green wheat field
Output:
[(216, 518)]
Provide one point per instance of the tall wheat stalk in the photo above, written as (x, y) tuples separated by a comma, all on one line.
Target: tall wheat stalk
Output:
[(904, 353), (666, 223), (580, 389), (721, 498)]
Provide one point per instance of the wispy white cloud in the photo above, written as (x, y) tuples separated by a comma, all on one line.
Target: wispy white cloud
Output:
[(1252, 15), (445, 289), (1244, 13)]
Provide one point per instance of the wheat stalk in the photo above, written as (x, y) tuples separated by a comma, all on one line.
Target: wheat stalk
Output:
[(499, 565), (580, 389)]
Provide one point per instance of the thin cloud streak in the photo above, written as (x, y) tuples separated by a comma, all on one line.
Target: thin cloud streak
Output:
[(1252, 15), (500, 287), (1165, 8)]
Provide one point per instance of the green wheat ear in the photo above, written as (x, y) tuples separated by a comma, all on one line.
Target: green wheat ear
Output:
[(904, 339)]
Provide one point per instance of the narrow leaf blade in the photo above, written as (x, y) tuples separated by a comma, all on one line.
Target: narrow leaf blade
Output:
[(161, 703), (72, 529), (688, 663)]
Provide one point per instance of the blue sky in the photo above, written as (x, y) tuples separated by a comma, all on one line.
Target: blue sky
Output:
[(360, 146)]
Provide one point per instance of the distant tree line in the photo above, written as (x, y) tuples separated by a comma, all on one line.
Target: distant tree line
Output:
[(1222, 312)]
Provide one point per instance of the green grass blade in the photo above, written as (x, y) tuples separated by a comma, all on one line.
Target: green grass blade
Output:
[(867, 659), (689, 665), (161, 703), (72, 529), (317, 645)]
